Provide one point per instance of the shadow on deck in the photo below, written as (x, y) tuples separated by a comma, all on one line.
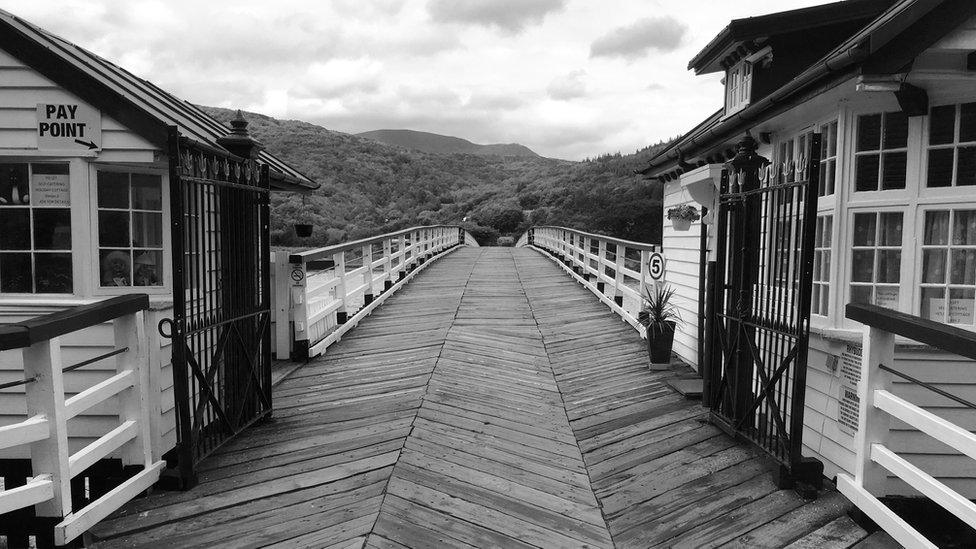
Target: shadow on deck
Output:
[(492, 402)]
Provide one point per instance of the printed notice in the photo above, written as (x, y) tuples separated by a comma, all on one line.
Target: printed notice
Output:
[(848, 402), (50, 190)]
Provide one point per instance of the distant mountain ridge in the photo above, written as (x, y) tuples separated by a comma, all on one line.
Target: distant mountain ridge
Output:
[(444, 144)]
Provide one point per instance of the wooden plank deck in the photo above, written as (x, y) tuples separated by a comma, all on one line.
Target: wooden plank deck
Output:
[(493, 402)]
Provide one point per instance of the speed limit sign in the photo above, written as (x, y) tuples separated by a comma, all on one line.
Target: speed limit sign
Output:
[(656, 266)]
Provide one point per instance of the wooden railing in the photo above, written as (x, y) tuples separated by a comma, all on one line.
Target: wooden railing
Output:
[(878, 406), (45, 431), (615, 270), (330, 289)]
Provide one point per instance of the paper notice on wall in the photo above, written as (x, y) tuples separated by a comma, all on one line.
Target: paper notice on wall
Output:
[(886, 297), (961, 311), (50, 191), (848, 402)]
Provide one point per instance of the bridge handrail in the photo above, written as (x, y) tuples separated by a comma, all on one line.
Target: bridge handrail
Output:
[(874, 459), (624, 291), (329, 251), (45, 431)]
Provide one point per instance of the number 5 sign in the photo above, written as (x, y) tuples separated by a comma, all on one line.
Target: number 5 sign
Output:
[(655, 266)]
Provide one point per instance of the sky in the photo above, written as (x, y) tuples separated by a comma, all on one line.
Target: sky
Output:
[(568, 78)]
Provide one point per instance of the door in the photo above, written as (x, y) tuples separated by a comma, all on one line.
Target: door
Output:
[(221, 286)]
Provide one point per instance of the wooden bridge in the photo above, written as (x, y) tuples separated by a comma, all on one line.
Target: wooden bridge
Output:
[(491, 402)]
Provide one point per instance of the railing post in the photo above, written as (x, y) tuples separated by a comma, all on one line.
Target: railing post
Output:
[(45, 396), (370, 292), (387, 264), (282, 277), (299, 310), (601, 266), (342, 314), (618, 278), (645, 256), (134, 401), (402, 250), (873, 424)]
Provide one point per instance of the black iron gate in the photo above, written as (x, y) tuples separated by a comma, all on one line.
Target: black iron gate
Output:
[(221, 286), (761, 302)]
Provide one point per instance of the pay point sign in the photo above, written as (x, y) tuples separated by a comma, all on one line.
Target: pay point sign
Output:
[(68, 127)]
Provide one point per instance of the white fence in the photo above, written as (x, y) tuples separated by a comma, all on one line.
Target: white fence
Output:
[(878, 406), (328, 290), (617, 271), (45, 431)]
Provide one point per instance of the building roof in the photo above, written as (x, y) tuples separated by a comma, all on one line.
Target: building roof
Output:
[(134, 102), (884, 37)]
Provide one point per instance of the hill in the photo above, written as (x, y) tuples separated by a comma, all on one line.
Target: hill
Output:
[(444, 144), (369, 188)]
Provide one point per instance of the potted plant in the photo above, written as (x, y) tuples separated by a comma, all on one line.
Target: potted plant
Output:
[(660, 318), (303, 229), (682, 216)]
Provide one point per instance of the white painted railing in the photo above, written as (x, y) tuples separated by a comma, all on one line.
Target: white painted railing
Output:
[(330, 289), (45, 431), (878, 405), (615, 270)]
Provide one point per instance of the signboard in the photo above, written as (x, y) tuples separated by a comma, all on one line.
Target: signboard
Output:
[(848, 401), (50, 190), (656, 266), (68, 126)]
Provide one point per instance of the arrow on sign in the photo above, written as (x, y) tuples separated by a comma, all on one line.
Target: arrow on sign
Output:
[(89, 144)]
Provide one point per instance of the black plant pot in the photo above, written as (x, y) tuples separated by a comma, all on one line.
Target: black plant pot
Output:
[(303, 230), (659, 343)]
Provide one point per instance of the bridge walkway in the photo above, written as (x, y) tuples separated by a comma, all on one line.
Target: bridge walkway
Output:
[(492, 402)]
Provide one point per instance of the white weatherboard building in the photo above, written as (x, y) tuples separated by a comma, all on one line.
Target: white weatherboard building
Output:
[(890, 85)]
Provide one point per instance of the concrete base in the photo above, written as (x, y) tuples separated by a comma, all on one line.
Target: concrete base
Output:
[(660, 367)]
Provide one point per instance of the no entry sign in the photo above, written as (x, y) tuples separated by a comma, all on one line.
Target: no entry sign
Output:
[(68, 126), (656, 266)]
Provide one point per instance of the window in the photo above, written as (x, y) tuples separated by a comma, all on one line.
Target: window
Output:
[(876, 258), (35, 229), (949, 266), (881, 156), (952, 146), (820, 303), (828, 158), (130, 229), (738, 87)]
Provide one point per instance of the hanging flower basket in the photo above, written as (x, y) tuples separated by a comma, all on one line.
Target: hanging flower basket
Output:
[(682, 216), (303, 230)]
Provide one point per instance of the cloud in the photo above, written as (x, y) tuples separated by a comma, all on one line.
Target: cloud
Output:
[(636, 40), (569, 86), (508, 15)]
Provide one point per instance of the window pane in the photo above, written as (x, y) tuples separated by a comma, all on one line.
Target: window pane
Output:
[(961, 302), (966, 170), (147, 192), (936, 228), (53, 273), (147, 267), (942, 125), (862, 268), (116, 267), (15, 229), (113, 190), (827, 177), (890, 229), (933, 304), (893, 176), (49, 169), (825, 301), (861, 294), (889, 265), (896, 130), (964, 228), (940, 167), (933, 266), (15, 273), (967, 123), (52, 229), (828, 229), (963, 267), (886, 297), (14, 185), (147, 229), (113, 229), (868, 132), (866, 177), (864, 229)]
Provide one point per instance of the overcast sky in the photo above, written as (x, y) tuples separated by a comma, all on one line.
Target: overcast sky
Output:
[(567, 78)]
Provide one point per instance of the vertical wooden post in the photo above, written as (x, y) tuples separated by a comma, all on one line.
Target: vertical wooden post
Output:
[(45, 396), (299, 309), (370, 292), (873, 424), (618, 279), (133, 402), (282, 277), (342, 314), (402, 250), (601, 266), (387, 263), (645, 257)]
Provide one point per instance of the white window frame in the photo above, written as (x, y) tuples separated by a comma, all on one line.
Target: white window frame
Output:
[(738, 87), (919, 263)]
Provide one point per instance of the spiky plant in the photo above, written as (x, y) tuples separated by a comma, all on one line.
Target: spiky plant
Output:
[(657, 309)]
